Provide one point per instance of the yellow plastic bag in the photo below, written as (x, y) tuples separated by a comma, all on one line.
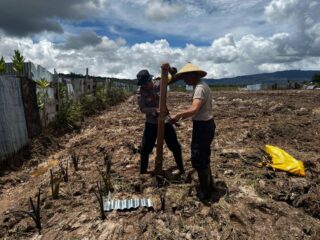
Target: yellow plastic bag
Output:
[(43, 169), (281, 160)]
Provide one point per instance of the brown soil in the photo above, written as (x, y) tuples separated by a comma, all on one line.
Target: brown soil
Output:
[(250, 202)]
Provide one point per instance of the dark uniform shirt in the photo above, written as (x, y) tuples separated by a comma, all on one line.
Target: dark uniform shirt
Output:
[(148, 101)]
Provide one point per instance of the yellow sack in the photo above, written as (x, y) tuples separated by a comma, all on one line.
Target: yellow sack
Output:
[(43, 169), (281, 160)]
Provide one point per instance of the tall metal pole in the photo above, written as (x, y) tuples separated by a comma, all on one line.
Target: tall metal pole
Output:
[(161, 120)]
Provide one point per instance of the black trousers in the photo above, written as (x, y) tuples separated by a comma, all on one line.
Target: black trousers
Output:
[(150, 137), (202, 137)]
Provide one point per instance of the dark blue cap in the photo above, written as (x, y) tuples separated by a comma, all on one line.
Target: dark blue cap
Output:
[(143, 77)]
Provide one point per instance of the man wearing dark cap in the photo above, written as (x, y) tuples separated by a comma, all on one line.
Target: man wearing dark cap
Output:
[(148, 100)]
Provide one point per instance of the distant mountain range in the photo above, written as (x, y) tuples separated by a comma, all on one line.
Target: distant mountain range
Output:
[(275, 77), (281, 77)]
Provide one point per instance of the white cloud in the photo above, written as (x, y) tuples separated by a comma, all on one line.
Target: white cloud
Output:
[(158, 10), (282, 9), (225, 49), (222, 50), (225, 57), (230, 53), (191, 19), (302, 20)]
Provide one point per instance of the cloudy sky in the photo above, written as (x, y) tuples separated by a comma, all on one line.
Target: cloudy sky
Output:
[(119, 37)]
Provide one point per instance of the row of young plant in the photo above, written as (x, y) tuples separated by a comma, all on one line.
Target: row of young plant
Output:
[(71, 112), (103, 187)]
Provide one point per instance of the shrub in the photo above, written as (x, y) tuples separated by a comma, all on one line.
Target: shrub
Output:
[(69, 116), (2, 65), (88, 105), (101, 98), (42, 99), (116, 95), (63, 92)]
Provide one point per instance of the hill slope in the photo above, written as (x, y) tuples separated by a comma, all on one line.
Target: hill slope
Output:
[(276, 77)]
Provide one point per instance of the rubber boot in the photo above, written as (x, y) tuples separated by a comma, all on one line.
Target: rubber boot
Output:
[(206, 181), (179, 161), (144, 161), (212, 184)]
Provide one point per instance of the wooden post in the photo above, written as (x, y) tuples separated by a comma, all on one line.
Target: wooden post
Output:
[(56, 79), (161, 124)]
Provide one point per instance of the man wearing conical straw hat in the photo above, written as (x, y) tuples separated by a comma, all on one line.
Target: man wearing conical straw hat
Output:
[(203, 126)]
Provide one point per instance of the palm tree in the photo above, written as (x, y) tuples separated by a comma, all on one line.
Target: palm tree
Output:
[(18, 62), (2, 66)]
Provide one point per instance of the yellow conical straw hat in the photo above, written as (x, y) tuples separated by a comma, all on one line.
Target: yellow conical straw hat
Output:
[(188, 68)]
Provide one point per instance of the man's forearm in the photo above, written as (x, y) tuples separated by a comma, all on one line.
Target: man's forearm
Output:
[(148, 110), (186, 114)]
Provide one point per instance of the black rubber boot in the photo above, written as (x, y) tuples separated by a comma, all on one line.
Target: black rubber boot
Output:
[(144, 161), (212, 184), (205, 189), (179, 161)]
